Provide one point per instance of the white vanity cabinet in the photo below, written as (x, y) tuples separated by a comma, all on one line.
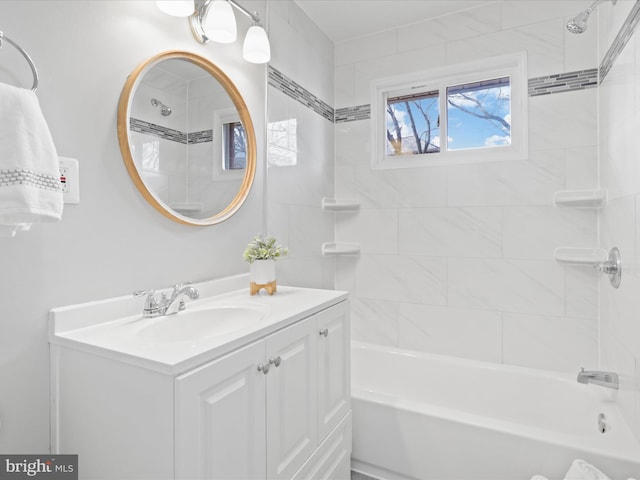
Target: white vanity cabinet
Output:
[(274, 407), (271, 389)]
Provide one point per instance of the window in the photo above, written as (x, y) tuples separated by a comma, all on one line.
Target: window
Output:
[(235, 152), (456, 114)]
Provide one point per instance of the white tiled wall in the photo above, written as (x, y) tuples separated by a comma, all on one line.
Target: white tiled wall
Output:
[(459, 259), (619, 106), (294, 193)]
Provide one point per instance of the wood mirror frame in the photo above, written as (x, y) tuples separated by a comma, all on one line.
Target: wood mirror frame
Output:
[(124, 108)]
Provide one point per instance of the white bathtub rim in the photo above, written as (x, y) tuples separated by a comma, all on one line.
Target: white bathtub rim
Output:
[(629, 453), (629, 450), (459, 361)]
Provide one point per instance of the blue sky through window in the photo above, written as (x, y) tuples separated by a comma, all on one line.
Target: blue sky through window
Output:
[(479, 115)]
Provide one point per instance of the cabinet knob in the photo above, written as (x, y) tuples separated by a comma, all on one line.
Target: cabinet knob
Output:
[(264, 368), (275, 361), (324, 332)]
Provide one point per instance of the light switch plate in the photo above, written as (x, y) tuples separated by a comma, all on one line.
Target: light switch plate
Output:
[(70, 179)]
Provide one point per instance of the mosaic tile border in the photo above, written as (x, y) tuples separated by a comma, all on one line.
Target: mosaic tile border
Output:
[(296, 91), (624, 35), (142, 126), (352, 114), (203, 136), (563, 82), (545, 85)]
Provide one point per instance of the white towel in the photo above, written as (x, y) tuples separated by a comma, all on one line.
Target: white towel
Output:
[(581, 470), (30, 189)]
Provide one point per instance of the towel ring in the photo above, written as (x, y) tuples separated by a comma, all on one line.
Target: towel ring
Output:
[(26, 56)]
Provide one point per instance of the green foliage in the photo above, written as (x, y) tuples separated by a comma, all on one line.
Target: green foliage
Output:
[(263, 249)]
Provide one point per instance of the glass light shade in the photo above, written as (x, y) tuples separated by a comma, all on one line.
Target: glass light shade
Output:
[(220, 24), (256, 48), (177, 8)]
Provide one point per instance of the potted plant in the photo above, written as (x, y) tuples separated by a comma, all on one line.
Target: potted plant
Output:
[(261, 253)]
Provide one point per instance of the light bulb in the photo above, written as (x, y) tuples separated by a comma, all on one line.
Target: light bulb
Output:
[(220, 24), (256, 48), (176, 8)]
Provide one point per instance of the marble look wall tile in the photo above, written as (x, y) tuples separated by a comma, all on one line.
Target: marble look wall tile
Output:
[(306, 271), (620, 170), (302, 52), (451, 331), (382, 66), (345, 268), (375, 230), (345, 182), (543, 42), (353, 143), (618, 229), (312, 176), (526, 182), (447, 232), (553, 122), (309, 228), (581, 168), (397, 188), (405, 278), (418, 187), (580, 51), (521, 286), (345, 86), (581, 292), (620, 307), (526, 12), (466, 24), (374, 321), (535, 231), (365, 48), (553, 343)]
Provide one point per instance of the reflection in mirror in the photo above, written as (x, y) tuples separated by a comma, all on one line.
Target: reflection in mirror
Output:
[(188, 140)]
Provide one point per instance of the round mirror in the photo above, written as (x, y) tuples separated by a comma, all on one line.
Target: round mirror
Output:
[(186, 138)]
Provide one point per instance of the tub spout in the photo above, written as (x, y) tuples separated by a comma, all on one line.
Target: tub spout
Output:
[(604, 379)]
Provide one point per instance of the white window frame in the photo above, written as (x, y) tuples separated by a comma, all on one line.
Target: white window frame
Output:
[(513, 66)]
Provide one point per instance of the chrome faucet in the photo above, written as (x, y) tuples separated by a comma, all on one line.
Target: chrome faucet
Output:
[(604, 379), (167, 306)]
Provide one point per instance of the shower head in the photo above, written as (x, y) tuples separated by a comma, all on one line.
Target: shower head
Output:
[(578, 24), (164, 110)]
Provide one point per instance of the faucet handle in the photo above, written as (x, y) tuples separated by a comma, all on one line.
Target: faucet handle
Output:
[(151, 307)]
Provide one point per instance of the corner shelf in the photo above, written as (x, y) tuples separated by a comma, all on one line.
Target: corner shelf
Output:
[(340, 248), (580, 256), (580, 198), (340, 204)]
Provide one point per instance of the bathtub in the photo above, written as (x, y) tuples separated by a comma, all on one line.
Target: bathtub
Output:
[(432, 417)]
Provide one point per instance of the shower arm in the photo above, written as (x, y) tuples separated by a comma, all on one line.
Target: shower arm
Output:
[(598, 2)]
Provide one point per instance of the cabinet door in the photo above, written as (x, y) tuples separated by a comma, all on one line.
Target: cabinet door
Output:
[(220, 418), (291, 398), (334, 369)]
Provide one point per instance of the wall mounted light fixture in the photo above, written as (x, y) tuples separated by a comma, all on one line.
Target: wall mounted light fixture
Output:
[(213, 20)]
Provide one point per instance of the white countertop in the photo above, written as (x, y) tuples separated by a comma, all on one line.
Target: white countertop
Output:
[(110, 328)]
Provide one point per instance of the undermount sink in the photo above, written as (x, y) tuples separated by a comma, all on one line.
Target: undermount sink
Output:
[(192, 325)]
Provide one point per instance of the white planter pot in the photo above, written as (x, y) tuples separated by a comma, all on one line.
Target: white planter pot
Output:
[(263, 275)]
